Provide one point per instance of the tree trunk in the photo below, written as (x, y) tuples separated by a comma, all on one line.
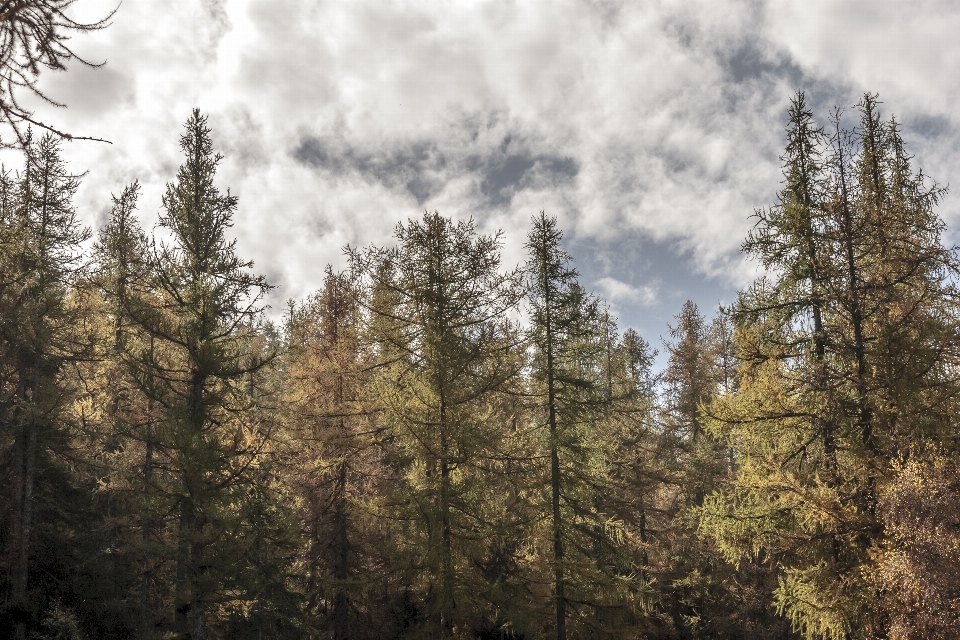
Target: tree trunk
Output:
[(446, 584), (22, 569), (184, 590), (18, 474), (24, 502), (341, 599), (558, 594), (146, 523)]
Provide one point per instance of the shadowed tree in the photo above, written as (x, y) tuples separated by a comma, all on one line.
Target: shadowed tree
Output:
[(200, 311), (445, 348), (40, 249), (846, 363)]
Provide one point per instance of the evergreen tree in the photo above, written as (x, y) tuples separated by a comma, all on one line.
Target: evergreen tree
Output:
[(569, 335), (445, 348), (200, 312), (41, 254), (127, 413), (844, 365)]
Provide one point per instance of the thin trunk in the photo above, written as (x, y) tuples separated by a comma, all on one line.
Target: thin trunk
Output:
[(199, 622), (197, 564), (866, 425), (819, 346), (867, 499), (446, 588), (608, 346), (559, 597), (21, 570), (644, 558), (856, 316), (341, 600), (808, 204), (447, 603), (29, 477), (190, 566), (818, 342), (184, 592), (146, 521), (18, 474)]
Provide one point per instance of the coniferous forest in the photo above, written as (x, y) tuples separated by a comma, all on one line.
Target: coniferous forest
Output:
[(436, 444)]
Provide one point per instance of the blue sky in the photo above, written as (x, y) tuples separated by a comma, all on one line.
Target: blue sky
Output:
[(650, 129)]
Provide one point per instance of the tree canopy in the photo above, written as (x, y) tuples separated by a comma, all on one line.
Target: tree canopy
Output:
[(436, 444)]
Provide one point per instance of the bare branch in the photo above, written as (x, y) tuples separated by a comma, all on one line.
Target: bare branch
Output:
[(33, 35)]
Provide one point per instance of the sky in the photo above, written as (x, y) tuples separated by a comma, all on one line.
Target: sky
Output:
[(650, 129)]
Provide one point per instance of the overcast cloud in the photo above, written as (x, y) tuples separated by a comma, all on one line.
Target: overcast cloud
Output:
[(650, 129)]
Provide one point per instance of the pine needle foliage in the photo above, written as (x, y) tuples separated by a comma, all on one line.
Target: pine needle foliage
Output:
[(571, 338), (846, 364), (445, 347)]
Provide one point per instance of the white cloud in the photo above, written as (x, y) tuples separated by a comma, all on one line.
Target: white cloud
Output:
[(338, 119), (618, 292)]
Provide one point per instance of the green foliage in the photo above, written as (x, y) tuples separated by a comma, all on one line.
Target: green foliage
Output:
[(571, 381), (186, 318), (445, 350), (416, 453), (844, 366)]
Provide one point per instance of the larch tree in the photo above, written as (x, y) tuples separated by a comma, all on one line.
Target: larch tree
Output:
[(698, 599), (916, 577), (638, 468), (569, 333), (689, 381), (332, 439), (41, 259), (845, 364), (121, 253), (445, 346)]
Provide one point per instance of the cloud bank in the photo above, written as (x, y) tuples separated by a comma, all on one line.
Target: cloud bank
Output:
[(651, 129)]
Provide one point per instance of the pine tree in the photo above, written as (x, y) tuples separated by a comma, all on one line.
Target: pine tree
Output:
[(844, 363), (199, 310), (445, 349), (570, 335), (42, 261)]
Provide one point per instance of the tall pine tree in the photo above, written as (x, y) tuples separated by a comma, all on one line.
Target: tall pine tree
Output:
[(200, 310), (570, 335), (446, 349), (845, 364)]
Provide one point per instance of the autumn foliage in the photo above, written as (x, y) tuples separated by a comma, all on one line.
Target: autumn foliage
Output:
[(436, 444)]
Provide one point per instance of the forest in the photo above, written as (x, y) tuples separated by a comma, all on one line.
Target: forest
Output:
[(439, 445)]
